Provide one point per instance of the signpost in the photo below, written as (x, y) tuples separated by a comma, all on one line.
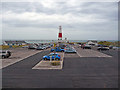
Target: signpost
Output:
[(54, 47), (50, 58)]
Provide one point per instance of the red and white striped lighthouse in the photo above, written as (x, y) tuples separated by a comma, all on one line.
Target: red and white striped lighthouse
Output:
[(60, 33)]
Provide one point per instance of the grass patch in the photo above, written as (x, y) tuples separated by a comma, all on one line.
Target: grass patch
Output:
[(117, 43), (4, 46), (13, 46), (55, 63)]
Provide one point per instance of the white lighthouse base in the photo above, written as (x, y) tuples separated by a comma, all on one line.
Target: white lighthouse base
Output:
[(60, 41)]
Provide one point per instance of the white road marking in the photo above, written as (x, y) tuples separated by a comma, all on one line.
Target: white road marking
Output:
[(78, 54), (90, 53)]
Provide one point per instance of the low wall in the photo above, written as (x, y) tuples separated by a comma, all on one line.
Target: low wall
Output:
[(7, 46)]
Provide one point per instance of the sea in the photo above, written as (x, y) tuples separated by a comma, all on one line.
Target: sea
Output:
[(48, 41)]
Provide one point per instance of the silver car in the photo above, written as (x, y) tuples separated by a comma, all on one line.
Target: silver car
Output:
[(5, 54)]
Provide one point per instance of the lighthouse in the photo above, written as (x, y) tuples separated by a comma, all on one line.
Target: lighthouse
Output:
[(60, 34)]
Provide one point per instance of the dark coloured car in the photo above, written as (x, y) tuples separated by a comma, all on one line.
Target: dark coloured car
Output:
[(110, 47), (86, 46), (62, 46), (32, 47), (24, 46), (5, 54), (100, 45), (40, 48), (103, 47)]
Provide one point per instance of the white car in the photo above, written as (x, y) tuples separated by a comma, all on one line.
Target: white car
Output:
[(103, 48), (5, 54), (115, 48), (80, 45)]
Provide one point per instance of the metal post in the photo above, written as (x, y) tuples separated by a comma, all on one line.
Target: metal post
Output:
[(54, 47), (54, 58), (50, 58)]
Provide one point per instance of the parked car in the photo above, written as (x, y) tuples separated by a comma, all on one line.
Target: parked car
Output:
[(100, 45), (70, 50), (62, 46), (49, 46), (5, 54), (40, 48), (24, 46), (103, 47), (82, 45), (79, 45), (116, 48), (57, 49), (32, 47), (54, 56), (110, 47), (45, 46), (66, 48), (86, 46)]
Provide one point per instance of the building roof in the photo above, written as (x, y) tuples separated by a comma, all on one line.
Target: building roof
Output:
[(94, 41), (15, 42)]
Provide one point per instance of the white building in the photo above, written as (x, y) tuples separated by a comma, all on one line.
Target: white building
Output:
[(92, 42), (10, 43)]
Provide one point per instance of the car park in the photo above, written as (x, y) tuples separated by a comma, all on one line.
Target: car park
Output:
[(5, 54), (53, 56)]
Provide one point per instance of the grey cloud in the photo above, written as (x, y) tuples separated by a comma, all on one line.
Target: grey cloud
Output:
[(105, 10), (97, 8), (99, 27)]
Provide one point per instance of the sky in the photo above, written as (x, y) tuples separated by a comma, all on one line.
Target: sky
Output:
[(41, 20)]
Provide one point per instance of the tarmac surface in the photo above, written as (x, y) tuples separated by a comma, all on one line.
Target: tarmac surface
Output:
[(90, 53), (77, 72), (18, 54)]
